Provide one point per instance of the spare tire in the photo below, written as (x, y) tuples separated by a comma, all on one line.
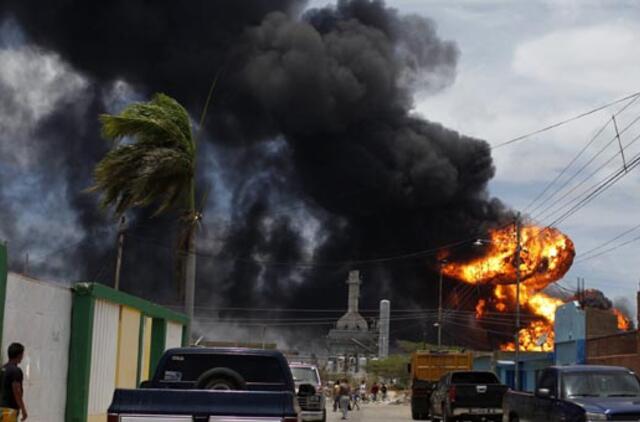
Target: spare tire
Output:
[(220, 379)]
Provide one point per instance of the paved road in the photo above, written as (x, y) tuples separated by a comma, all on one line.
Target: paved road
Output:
[(375, 413)]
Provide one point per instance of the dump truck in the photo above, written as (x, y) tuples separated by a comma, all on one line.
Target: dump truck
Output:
[(426, 369)]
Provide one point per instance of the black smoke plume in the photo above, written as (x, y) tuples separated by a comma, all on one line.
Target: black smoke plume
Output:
[(317, 149)]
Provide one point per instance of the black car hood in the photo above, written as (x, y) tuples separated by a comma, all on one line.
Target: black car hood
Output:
[(611, 405)]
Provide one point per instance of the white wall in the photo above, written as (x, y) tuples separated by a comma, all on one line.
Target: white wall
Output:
[(104, 352), (174, 335), (38, 315)]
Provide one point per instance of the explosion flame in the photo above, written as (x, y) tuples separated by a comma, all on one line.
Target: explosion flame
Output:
[(546, 256)]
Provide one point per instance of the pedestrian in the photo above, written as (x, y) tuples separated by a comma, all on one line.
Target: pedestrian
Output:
[(336, 395), (355, 399), (11, 392), (374, 391), (383, 390), (345, 397), (363, 391)]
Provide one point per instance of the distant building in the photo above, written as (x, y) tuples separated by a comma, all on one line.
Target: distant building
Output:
[(352, 340)]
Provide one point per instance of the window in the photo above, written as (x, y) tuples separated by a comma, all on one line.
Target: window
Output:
[(252, 368), (600, 384), (474, 378), (548, 380)]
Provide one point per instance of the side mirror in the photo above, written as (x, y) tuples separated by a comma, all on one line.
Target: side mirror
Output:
[(543, 393), (306, 390)]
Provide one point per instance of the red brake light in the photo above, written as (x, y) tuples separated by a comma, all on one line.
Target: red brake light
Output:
[(113, 418), (452, 393)]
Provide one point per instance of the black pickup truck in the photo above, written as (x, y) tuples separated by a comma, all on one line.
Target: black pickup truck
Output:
[(204, 384), (580, 393), (468, 395)]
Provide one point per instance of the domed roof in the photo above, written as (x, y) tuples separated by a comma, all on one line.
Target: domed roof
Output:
[(352, 321)]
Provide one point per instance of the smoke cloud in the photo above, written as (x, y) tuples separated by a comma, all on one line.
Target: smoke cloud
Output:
[(312, 155)]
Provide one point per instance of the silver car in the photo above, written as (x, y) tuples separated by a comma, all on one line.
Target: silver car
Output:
[(311, 401)]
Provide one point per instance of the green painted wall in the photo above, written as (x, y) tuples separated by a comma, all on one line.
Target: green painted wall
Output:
[(80, 357)]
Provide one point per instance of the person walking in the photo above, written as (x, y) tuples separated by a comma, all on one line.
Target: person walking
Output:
[(363, 391), (355, 399), (383, 390), (345, 397), (336, 395), (374, 392), (11, 392)]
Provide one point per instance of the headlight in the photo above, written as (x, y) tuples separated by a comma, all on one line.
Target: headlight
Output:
[(596, 417)]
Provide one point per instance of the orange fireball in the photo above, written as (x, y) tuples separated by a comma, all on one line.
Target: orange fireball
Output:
[(546, 255)]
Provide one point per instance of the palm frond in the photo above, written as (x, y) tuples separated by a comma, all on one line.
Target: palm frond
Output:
[(157, 167)]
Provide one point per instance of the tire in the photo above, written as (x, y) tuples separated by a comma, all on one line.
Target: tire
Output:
[(445, 414), (220, 379)]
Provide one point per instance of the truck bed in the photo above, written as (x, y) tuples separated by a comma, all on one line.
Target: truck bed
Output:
[(201, 403)]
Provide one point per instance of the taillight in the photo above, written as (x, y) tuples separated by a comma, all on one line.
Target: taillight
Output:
[(113, 418), (452, 393)]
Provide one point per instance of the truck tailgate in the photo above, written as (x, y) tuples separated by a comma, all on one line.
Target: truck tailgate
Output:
[(478, 395), (166, 402)]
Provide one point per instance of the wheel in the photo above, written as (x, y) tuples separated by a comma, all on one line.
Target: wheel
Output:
[(220, 379), (445, 414)]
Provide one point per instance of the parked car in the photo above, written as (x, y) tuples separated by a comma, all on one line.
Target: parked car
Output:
[(468, 395), (202, 384), (581, 393), (312, 401)]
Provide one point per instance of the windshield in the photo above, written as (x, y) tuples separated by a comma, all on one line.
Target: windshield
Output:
[(600, 384), (305, 375)]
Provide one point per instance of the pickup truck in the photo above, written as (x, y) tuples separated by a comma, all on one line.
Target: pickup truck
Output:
[(580, 393), (468, 395), (426, 368), (210, 384), (312, 401)]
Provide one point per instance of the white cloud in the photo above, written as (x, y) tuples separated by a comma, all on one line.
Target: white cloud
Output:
[(602, 58)]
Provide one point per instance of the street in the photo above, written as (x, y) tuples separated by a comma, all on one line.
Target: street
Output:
[(374, 413)]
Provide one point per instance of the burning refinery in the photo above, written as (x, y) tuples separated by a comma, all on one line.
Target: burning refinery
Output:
[(546, 256)]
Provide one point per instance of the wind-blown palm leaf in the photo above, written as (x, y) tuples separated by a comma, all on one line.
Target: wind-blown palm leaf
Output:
[(157, 167)]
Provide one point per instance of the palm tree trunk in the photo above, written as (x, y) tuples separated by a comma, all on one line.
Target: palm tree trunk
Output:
[(190, 264), (190, 280)]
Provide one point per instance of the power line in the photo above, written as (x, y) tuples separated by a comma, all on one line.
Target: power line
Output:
[(563, 122), (581, 169), (577, 156), (606, 251), (585, 255)]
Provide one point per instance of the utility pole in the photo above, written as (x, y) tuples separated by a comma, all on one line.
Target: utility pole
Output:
[(518, 252), (122, 226), (442, 262)]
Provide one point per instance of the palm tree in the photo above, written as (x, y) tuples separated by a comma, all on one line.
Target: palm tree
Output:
[(152, 163)]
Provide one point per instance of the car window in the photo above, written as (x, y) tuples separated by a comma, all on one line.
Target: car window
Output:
[(303, 375), (474, 378), (254, 369), (548, 380), (600, 384)]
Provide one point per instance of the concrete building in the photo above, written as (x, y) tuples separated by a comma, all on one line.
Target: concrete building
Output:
[(579, 330), (503, 365), (351, 339)]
